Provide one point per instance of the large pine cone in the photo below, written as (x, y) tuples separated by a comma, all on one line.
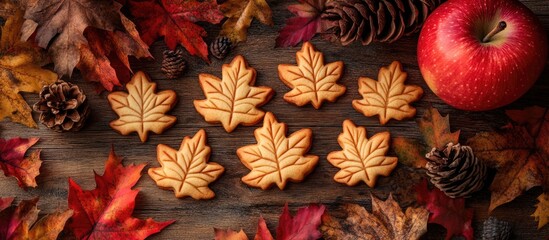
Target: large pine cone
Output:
[(374, 20), (173, 64), (62, 106), (455, 170)]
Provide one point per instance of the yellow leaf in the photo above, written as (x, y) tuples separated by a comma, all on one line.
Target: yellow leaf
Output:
[(187, 171), (240, 14), (141, 109), (311, 80), (275, 158), (388, 97), (20, 71), (232, 100), (542, 211), (362, 159)]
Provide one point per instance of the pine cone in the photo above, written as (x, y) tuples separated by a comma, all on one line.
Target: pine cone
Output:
[(495, 229), (455, 170), (374, 20), (62, 106), (173, 64), (220, 47)]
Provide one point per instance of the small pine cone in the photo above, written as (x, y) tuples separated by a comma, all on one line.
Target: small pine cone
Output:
[(63, 106), (173, 65), (495, 229), (220, 47), (455, 170)]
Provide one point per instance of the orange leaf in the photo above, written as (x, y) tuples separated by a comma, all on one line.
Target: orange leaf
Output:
[(362, 159), (388, 97), (232, 100), (19, 222), (312, 80), (240, 14), (142, 109), (520, 152), (275, 158), (187, 171), (229, 234), (542, 211), (435, 132), (20, 69), (106, 211)]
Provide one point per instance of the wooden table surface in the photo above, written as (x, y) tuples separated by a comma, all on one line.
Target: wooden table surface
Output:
[(237, 206)]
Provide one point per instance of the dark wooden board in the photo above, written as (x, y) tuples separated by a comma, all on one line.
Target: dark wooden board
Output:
[(237, 206)]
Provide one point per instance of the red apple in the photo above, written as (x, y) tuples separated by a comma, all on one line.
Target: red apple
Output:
[(481, 54)]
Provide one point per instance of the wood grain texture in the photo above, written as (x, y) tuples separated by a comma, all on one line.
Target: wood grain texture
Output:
[(237, 206)]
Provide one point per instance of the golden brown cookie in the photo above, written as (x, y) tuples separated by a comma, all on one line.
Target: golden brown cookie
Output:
[(187, 171), (388, 97), (312, 80), (275, 158), (141, 109), (361, 159), (232, 100)]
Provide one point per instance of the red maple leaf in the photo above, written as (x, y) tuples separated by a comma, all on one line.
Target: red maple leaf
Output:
[(174, 20), (304, 25), (106, 211), (105, 58), (304, 226), (446, 211), (14, 163)]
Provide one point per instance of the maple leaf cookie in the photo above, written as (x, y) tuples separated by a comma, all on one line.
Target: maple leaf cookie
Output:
[(232, 100), (312, 80), (361, 159), (142, 110), (275, 158), (187, 170), (388, 97)]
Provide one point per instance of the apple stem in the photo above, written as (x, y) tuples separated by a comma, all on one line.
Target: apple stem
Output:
[(498, 28)]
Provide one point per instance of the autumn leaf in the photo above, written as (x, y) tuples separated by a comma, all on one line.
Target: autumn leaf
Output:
[(388, 97), (435, 132), (187, 171), (542, 211), (14, 163), (387, 221), (59, 26), (275, 158), (20, 69), (229, 234), (232, 100), (304, 226), (240, 14), (519, 151), (361, 159), (142, 109), (104, 59), (5, 202), (304, 26), (448, 212), (175, 21), (312, 81), (19, 222), (106, 211)]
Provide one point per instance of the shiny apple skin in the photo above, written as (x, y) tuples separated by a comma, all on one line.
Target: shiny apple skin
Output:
[(471, 75)]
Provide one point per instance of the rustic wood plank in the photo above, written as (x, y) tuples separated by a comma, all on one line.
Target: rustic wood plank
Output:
[(236, 205)]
